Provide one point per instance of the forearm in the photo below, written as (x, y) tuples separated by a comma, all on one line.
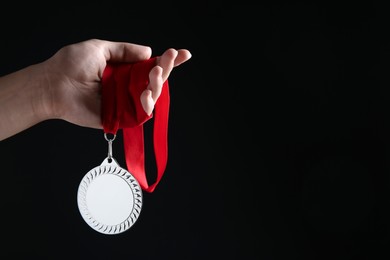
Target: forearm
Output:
[(22, 100)]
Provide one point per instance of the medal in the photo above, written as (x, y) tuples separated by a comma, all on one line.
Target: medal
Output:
[(109, 197)]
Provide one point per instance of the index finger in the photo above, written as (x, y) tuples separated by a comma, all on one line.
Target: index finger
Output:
[(172, 58)]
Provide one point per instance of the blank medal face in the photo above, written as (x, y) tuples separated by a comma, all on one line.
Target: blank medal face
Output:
[(109, 198)]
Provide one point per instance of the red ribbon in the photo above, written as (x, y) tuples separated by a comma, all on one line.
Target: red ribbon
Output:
[(122, 85)]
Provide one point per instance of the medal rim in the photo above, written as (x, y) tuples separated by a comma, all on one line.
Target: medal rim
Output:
[(109, 167)]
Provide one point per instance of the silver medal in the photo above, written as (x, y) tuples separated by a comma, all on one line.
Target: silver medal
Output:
[(109, 197)]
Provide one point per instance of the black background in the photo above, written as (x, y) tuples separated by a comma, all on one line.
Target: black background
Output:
[(278, 134)]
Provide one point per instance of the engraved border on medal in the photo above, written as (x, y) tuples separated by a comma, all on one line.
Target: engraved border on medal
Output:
[(137, 198)]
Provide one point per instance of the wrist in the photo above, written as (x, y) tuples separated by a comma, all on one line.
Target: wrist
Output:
[(42, 92), (49, 102)]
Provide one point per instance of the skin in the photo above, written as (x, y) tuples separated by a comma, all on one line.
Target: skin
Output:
[(67, 85)]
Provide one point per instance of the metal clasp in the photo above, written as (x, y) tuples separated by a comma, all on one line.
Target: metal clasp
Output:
[(109, 140)]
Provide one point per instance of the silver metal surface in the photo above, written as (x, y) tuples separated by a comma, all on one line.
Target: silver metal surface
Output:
[(109, 198), (109, 140)]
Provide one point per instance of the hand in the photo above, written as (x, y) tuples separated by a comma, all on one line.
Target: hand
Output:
[(68, 85), (74, 77)]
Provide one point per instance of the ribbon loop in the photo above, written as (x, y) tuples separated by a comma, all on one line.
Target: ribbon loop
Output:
[(122, 85)]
